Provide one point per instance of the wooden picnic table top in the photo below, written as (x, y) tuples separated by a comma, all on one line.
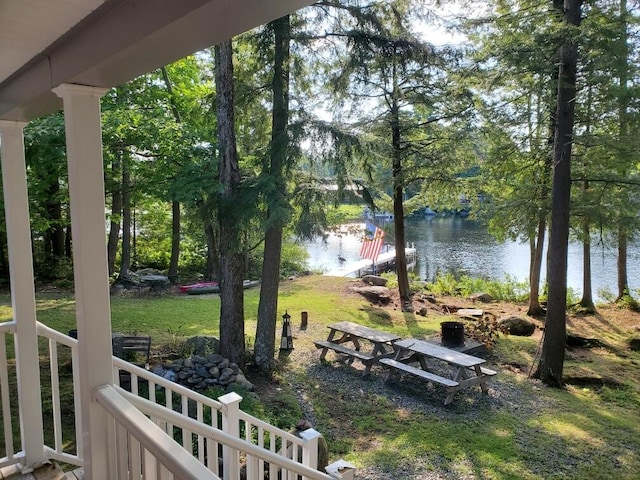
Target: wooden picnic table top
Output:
[(436, 351), (371, 334)]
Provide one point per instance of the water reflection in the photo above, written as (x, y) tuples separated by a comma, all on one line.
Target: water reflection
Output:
[(463, 246)]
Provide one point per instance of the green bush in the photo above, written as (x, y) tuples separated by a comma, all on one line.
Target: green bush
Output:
[(507, 290)]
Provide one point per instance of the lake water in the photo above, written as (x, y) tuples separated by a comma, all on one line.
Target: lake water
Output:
[(463, 246)]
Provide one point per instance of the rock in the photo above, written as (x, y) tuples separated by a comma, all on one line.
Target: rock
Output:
[(215, 358), (634, 344), (226, 376), (374, 280), (481, 297), (430, 298), (423, 311), (243, 382), (519, 326), (582, 342), (377, 295)]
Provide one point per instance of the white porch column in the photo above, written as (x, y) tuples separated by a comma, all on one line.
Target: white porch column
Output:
[(16, 205), (91, 275)]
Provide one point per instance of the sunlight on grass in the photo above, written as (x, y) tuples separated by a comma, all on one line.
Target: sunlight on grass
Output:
[(571, 428), (522, 430)]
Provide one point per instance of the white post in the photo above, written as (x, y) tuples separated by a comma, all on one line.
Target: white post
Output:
[(231, 425), (16, 204), (91, 276), (311, 439)]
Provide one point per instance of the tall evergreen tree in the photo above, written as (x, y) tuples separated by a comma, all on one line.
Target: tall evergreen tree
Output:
[(550, 366), (399, 84), (277, 209), (232, 344)]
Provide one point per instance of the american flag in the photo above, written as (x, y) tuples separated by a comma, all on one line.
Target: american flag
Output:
[(372, 242)]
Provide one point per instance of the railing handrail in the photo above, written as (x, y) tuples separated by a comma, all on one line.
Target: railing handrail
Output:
[(250, 419), (176, 459), (194, 425), (49, 332), (198, 397), (8, 327), (221, 437)]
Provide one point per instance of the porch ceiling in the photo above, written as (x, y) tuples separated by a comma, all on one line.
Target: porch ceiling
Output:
[(105, 43)]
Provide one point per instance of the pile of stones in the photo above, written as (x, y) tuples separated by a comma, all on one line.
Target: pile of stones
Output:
[(198, 367), (199, 372)]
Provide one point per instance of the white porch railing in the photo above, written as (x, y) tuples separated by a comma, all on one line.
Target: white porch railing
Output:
[(216, 433), (9, 454)]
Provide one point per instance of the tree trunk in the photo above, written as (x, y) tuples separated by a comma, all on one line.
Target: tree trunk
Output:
[(116, 215), (175, 241), (175, 205), (537, 247), (213, 270), (550, 366), (125, 258), (623, 121), (623, 281), (232, 344), (54, 214), (586, 302), (268, 306), (398, 207)]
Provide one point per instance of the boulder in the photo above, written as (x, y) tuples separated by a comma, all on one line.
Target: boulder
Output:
[(377, 295), (520, 327), (374, 280), (481, 297)]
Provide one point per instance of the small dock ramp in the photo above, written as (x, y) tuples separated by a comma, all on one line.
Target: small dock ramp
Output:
[(358, 268)]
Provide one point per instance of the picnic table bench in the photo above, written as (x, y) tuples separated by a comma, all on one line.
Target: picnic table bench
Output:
[(468, 370), (381, 343)]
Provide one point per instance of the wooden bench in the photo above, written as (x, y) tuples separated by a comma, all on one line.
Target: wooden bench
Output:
[(135, 350), (134, 345), (419, 372), (365, 357)]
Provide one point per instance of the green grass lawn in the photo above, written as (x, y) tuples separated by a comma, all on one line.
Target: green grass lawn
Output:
[(581, 432)]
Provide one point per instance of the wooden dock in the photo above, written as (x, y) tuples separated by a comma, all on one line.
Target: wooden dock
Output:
[(384, 260)]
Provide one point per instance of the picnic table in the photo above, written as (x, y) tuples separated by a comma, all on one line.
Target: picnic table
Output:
[(467, 370), (379, 343)]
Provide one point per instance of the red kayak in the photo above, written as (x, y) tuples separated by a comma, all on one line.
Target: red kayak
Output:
[(186, 288)]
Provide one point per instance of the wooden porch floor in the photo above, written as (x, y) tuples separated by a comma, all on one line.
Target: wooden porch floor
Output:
[(46, 472)]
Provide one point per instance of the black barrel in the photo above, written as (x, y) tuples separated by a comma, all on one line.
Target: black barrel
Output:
[(452, 334)]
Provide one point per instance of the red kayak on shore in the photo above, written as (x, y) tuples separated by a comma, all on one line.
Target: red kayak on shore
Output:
[(186, 288)]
